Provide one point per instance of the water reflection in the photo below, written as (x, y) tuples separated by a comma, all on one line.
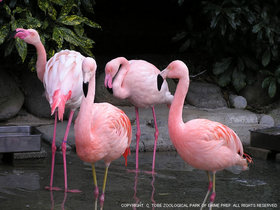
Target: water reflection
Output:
[(53, 206), (22, 185), (18, 179), (136, 199)]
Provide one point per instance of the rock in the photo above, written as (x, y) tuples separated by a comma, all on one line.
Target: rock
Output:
[(266, 120), (11, 98), (35, 100), (275, 114), (205, 95), (238, 102), (255, 95)]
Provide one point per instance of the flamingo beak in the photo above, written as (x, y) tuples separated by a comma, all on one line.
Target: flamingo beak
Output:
[(108, 83), (20, 33), (85, 88)]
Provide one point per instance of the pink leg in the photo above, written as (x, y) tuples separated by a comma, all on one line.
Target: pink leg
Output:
[(156, 138), (53, 155), (210, 186), (213, 195), (64, 152), (138, 134)]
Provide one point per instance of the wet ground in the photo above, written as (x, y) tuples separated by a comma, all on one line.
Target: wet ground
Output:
[(174, 186)]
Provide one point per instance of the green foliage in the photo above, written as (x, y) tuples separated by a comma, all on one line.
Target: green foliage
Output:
[(241, 37), (62, 24)]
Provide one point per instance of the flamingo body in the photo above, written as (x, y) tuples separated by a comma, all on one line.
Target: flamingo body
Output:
[(136, 81), (106, 135), (63, 81), (102, 131), (62, 77), (139, 85), (209, 145), (202, 143)]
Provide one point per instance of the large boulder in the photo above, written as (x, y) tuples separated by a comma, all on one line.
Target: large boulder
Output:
[(11, 98), (35, 101), (205, 95), (257, 96)]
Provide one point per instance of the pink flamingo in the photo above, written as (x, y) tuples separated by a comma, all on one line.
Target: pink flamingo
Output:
[(204, 144), (135, 80), (62, 79), (102, 131)]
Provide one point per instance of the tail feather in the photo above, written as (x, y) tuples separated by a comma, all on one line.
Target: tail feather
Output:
[(59, 101)]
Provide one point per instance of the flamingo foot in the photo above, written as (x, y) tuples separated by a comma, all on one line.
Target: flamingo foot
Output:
[(73, 191), (150, 172), (133, 171), (53, 188), (101, 199)]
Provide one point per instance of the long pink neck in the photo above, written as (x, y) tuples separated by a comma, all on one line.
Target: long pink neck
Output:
[(41, 60), (122, 72), (86, 106), (175, 120)]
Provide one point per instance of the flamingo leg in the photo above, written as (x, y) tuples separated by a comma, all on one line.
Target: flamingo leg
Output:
[(156, 138), (213, 195), (96, 191), (64, 151), (208, 192), (102, 197), (138, 134), (53, 155)]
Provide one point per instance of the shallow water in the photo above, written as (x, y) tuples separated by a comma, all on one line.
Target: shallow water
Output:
[(174, 186)]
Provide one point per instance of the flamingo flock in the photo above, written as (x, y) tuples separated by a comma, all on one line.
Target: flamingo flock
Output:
[(103, 131)]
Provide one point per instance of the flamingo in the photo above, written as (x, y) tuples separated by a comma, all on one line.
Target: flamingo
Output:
[(203, 144), (135, 80), (62, 79), (102, 131)]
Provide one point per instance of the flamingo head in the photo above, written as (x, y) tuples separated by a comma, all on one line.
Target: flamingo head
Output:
[(110, 73), (30, 36), (89, 68), (175, 70)]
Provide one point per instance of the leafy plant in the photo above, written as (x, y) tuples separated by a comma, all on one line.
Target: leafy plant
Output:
[(241, 37), (62, 24)]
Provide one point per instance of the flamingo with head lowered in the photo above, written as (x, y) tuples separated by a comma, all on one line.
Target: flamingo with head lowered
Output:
[(135, 80), (102, 131), (62, 78), (204, 144)]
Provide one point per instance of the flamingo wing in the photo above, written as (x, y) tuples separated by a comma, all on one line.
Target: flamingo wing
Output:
[(113, 129), (63, 79), (210, 145)]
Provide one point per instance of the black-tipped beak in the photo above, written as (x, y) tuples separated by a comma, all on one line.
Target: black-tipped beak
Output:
[(159, 82), (85, 88), (110, 90)]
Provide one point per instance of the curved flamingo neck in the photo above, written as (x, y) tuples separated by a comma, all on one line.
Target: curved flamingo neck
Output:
[(91, 91), (175, 120), (41, 60), (86, 107), (121, 71), (118, 82)]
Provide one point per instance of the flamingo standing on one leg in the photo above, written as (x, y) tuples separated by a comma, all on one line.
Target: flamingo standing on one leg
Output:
[(202, 143), (102, 131), (135, 80), (62, 79)]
